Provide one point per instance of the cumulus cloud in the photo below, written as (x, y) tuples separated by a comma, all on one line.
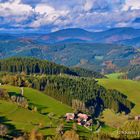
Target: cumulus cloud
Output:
[(131, 4), (89, 5), (15, 8), (58, 14), (47, 15)]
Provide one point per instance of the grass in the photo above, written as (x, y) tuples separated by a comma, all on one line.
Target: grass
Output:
[(113, 120), (42, 101), (114, 75), (107, 128), (21, 118), (25, 119), (128, 87)]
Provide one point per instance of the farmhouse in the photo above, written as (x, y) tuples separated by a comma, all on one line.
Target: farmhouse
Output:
[(70, 116), (83, 117), (80, 118), (137, 117)]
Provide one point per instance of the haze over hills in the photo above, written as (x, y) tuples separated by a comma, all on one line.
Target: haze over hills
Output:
[(109, 36), (109, 50), (69, 69)]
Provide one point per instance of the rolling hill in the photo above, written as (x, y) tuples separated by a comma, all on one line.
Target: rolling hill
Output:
[(86, 55), (77, 35), (26, 120), (131, 42), (130, 88), (58, 82), (134, 72), (109, 36), (76, 47)]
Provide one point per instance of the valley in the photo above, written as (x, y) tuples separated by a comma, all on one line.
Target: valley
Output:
[(51, 90), (76, 47), (130, 88), (44, 77), (69, 69)]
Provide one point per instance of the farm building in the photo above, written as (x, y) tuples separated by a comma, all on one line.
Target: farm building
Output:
[(137, 117), (80, 118), (69, 116)]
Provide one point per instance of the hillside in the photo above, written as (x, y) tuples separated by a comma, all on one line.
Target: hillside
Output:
[(26, 120), (63, 84), (132, 42), (128, 87), (38, 66), (134, 72), (86, 55), (75, 47), (19, 118), (113, 35), (59, 90), (131, 89)]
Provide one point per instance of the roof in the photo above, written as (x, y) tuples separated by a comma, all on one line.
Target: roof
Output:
[(69, 114), (83, 116)]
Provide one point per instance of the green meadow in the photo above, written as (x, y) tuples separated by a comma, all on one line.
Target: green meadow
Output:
[(41, 101), (128, 87), (27, 120), (114, 75)]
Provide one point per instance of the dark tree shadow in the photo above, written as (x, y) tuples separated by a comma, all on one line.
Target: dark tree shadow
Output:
[(14, 94), (40, 108), (12, 131)]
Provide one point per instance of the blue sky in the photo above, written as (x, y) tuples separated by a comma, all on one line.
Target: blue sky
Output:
[(52, 15)]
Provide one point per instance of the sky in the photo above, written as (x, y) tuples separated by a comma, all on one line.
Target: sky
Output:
[(53, 15)]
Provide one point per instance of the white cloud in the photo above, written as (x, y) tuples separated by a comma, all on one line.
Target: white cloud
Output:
[(131, 4), (44, 9), (47, 15), (15, 8), (88, 5), (58, 14)]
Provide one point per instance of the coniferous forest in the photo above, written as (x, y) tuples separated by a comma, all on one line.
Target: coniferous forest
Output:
[(64, 84), (69, 69)]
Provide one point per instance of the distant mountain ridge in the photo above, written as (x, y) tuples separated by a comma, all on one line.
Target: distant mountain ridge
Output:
[(78, 35), (109, 36), (105, 51)]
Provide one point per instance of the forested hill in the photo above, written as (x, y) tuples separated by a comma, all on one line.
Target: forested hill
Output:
[(134, 72), (82, 93), (33, 65)]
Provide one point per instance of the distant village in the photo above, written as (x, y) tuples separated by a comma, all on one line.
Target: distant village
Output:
[(80, 118)]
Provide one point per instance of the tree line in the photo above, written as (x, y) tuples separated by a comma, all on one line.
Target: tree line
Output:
[(33, 65), (83, 94), (134, 72)]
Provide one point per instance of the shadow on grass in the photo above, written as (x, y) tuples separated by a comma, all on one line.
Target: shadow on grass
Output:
[(12, 131), (14, 94), (40, 108)]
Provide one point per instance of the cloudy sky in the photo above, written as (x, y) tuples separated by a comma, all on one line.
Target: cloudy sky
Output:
[(52, 15)]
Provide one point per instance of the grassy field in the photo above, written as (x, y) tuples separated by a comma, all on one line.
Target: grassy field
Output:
[(127, 87), (26, 120), (21, 118), (41, 101), (113, 120), (114, 75)]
